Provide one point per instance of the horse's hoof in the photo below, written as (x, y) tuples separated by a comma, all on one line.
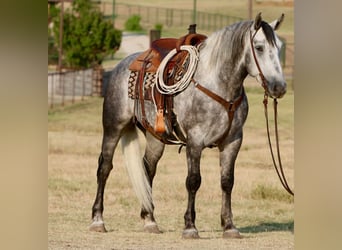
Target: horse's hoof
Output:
[(152, 228), (191, 233), (232, 233), (98, 227)]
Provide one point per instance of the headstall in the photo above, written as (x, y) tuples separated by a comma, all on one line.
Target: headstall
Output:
[(279, 168)]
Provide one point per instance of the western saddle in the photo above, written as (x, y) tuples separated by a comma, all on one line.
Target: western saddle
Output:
[(142, 78)]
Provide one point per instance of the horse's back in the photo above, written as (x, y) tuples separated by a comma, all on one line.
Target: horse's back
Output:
[(120, 74)]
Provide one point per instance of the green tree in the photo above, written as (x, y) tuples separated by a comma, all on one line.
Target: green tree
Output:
[(52, 49), (87, 36)]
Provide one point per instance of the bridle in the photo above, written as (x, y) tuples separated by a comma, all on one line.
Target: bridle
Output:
[(279, 168)]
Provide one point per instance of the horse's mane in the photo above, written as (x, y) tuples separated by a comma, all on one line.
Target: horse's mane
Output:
[(227, 44)]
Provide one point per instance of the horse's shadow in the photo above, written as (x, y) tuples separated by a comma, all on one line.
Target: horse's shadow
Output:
[(268, 227)]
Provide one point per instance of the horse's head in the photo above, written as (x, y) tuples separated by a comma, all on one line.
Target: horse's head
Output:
[(264, 63)]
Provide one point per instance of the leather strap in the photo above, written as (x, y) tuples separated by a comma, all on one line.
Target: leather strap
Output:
[(229, 106), (263, 79), (140, 84), (279, 167)]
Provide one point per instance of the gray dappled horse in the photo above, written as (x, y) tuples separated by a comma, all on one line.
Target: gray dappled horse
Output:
[(225, 59)]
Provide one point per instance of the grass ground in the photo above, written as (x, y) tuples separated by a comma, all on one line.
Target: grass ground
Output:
[(262, 210)]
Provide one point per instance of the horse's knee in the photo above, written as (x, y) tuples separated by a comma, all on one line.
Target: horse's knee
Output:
[(193, 182), (227, 182)]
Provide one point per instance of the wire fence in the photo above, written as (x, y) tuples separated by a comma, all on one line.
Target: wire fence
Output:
[(169, 17), (70, 86)]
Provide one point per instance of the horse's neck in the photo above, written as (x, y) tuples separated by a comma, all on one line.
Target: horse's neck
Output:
[(222, 66), (225, 79)]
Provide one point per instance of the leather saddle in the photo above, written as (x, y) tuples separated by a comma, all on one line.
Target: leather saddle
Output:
[(142, 77), (160, 48)]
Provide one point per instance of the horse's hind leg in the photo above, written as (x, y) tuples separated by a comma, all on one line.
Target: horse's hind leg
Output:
[(228, 154), (110, 139), (153, 152)]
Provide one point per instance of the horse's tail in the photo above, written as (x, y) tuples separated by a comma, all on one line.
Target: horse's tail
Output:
[(135, 168)]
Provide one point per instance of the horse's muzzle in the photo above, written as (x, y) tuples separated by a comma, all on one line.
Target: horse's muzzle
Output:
[(277, 89)]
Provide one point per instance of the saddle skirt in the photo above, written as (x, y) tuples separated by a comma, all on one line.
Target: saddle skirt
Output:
[(142, 79)]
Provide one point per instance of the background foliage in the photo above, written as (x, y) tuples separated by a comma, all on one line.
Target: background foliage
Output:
[(133, 23), (87, 37)]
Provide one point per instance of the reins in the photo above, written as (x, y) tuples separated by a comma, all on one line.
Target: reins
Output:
[(279, 167)]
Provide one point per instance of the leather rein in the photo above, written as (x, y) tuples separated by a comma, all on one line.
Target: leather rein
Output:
[(279, 167)]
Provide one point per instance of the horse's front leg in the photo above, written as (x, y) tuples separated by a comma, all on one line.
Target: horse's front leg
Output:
[(193, 182), (228, 154)]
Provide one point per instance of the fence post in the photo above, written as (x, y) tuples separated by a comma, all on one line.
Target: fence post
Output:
[(154, 35), (157, 14), (282, 53), (73, 87), (83, 85), (181, 17), (63, 90), (97, 81), (148, 14), (171, 15), (52, 89)]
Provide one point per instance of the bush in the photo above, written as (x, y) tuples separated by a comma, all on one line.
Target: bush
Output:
[(158, 26), (133, 23)]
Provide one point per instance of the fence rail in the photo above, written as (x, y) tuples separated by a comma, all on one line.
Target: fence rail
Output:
[(71, 86), (169, 17)]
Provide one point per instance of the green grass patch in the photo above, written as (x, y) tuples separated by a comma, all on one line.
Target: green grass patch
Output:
[(263, 192)]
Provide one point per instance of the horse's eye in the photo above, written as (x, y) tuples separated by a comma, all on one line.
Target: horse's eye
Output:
[(259, 48)]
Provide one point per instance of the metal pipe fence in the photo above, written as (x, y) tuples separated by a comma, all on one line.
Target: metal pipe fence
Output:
[(169, 17), (70, 86)]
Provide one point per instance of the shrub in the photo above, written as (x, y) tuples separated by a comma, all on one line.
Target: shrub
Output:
[(133, 23), (158, 26)]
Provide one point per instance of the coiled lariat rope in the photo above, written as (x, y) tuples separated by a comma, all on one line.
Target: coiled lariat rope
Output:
[(184, 82)]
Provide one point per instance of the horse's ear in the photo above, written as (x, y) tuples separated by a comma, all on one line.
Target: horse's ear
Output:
[(276, 24), (257, 22)]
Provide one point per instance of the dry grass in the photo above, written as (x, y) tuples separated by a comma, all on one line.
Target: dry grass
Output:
[(262, 210)]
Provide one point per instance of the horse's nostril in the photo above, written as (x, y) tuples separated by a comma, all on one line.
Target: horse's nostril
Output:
[(279, 90)]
